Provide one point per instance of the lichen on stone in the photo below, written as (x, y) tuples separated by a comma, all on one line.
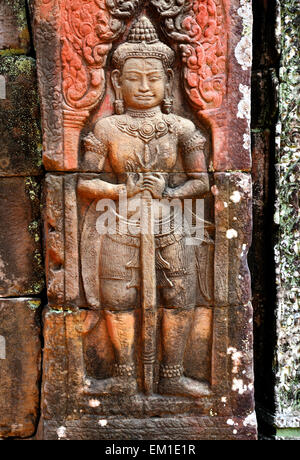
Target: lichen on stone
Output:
[(243, 50), (287, 217), (33, 190), (244, 106)]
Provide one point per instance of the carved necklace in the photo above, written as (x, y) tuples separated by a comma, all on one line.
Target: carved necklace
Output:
[(146, 130), (142, 114)]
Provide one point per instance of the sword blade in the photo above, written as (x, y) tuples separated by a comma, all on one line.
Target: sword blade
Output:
[(148, 290)]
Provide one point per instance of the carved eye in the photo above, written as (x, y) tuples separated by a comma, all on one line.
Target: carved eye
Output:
[(132, 77), (155, 78)]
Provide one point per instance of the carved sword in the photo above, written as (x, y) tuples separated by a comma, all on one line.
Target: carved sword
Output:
[(148, 291)]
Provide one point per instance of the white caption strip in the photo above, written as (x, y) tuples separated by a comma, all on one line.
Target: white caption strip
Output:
[(2, 347), (2, 87)]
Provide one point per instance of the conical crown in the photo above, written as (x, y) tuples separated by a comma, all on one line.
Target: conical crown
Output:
[(143, 41), (143, 31)]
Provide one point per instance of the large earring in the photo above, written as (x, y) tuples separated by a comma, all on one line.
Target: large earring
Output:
[(119, 107), (167, 105), (119, 101)]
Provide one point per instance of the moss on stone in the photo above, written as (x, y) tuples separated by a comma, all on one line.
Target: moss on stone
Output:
[(288, 433), (33, 190), (12, 51), (19, 10), (19, 115), (33, 304)]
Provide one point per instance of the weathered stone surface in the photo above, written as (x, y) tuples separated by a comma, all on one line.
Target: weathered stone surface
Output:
[(210, 428), (232, 124), (70, 412), (233, 208), (145, 318), (240, 350), (20, 138), (20, 366), (14, 34), (21, 270)]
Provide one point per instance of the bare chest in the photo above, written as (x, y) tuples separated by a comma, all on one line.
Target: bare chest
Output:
[(141, 146)]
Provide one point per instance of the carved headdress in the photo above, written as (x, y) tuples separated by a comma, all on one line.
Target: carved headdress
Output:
[(143, 41)]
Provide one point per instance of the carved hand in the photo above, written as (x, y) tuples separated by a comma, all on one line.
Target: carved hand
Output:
[(155, 183), (134, 187), (197, 186)]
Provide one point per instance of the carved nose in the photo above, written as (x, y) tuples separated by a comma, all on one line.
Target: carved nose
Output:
[(144, 87)]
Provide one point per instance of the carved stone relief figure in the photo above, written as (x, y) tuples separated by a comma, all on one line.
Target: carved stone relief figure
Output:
[(149, 318), (144, 142)]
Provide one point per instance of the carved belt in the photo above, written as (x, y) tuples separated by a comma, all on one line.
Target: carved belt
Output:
[(161, 241)]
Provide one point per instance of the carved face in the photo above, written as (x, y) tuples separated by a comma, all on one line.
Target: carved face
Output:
[(142, 83)]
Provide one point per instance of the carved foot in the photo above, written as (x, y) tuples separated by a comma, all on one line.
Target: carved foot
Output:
[(183, 386), (112, 386)]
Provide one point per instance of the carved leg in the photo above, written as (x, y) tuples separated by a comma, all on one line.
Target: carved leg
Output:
[(121, 327), (175, 330)]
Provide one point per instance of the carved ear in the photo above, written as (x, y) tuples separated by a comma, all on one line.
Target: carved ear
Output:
[(115, 78), (119, 102), (170, 83)]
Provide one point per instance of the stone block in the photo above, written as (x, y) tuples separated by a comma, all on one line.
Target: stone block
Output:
[(20, 138), (20, 366), (21, 267), (70, 412), (14, 34), (148, 327), (233, 211)]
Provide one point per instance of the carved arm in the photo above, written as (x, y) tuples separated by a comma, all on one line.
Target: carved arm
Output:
[(97, 189), (193, 148), (95, 152), (196, 187)]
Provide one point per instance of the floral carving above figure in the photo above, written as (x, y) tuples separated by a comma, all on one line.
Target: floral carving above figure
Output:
[(88, 31), (205, 55), (200, 27), (90, 27)]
